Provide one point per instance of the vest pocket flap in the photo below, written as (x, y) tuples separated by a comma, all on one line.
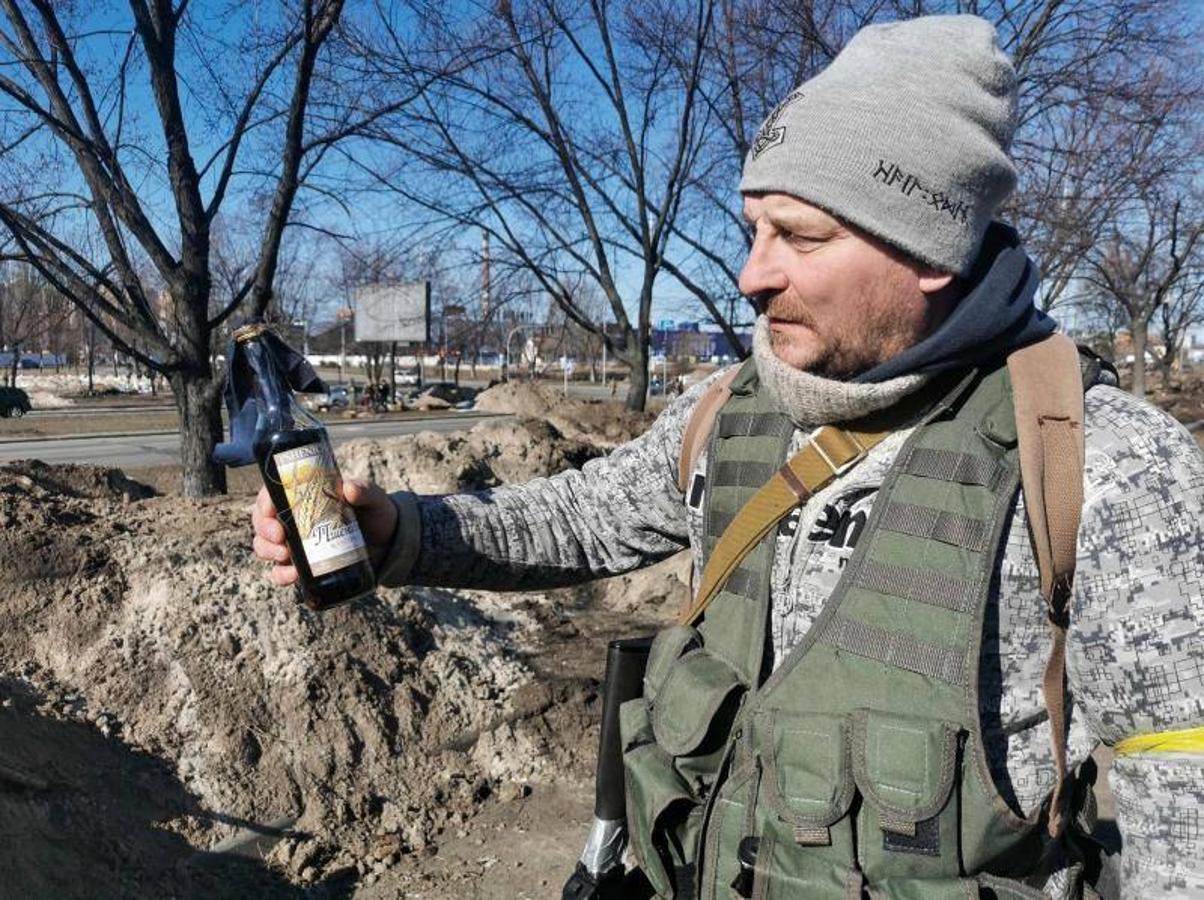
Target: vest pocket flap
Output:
[(653, 787), (667, 647), (635, 728), (805, 759), (700, 691), (904, 765)]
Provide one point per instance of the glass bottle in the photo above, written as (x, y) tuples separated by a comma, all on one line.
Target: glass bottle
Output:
[(302, 477)]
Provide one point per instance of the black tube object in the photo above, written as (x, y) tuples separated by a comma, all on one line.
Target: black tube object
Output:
[(625, 662)]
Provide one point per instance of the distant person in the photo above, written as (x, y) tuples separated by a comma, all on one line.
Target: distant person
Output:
[(864, 707)]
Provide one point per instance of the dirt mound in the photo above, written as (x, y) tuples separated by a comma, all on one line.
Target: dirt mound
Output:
[(522, 398), (96, 482), (1182, 395), (488, 455), (656, 590), (47, 400), (148, 621), (604, 422)]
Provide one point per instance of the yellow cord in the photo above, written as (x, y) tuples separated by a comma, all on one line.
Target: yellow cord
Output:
[(1189, 740)]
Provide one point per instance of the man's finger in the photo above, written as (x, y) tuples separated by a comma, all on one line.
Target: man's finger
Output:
[(270, 551), (283, 576), (264, 505), (361, 493), (270, 530)]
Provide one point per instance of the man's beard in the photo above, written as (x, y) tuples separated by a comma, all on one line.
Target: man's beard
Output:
[(844, 355), (829, 358)]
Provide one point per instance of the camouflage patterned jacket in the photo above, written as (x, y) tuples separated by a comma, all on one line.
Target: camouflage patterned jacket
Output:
[(1135, 662)]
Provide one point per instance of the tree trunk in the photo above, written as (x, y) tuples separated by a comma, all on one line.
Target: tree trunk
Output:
[(393, 372), (1138, 331), (637, 388), (636, 357), (199, 403)]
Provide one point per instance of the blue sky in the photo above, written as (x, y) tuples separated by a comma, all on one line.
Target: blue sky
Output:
[(105, 33)]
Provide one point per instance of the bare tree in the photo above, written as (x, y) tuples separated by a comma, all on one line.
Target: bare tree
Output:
[(27, 316), (1182, 312), (85, 187), (1142, 262), (568, 131)]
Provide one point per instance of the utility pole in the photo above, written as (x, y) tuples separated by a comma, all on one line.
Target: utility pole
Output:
[(485, 287), (343, 316)]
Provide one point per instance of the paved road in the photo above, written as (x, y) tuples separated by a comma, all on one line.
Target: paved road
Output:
[(98, 410), (578, 389), (129, 451)]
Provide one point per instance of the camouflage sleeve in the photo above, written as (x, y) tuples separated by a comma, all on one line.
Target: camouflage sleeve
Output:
[(615, 514), (1134, 663)]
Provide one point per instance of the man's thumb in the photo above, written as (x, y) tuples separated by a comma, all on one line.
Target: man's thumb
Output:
[(361, 493)]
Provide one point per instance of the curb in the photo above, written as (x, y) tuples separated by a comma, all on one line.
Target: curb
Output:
[(96, 435)]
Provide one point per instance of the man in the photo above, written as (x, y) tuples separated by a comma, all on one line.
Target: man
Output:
[(860, 708)]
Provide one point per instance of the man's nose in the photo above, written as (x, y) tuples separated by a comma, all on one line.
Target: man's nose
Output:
[(761, 276)]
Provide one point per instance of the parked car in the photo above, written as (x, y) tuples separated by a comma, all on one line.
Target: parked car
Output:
[(338, 397), (14, 402), (33, 360), (445, 390)]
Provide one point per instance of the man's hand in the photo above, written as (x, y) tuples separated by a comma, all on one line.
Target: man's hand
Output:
[(375, 511)]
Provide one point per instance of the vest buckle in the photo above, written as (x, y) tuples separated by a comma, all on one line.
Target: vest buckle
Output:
[(839, 469), (746, 857)]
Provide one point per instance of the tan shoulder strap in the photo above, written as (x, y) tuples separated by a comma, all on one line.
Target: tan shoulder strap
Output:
[(702, 421), (1047, 391), (828, 453)]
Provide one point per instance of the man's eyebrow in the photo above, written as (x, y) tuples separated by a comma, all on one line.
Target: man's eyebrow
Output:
[(803, 222)]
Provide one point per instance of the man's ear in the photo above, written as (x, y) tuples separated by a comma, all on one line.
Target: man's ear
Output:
[(932, 281)]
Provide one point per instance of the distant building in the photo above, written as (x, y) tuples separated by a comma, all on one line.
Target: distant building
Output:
[(1193, 347), (704, 342)]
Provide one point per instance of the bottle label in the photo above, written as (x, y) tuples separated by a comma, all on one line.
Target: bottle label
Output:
[(328, 529)]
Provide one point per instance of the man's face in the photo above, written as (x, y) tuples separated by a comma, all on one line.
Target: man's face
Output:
[(839, 301)]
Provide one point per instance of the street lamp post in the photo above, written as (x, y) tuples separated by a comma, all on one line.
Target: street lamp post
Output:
[(344, 315), (303, 324), (506, 368)]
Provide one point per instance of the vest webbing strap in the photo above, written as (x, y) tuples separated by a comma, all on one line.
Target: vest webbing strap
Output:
[(933, 524), (962, 468), (894, 648), (921, 585), (1047, 391), (701, 421), (829, 452)]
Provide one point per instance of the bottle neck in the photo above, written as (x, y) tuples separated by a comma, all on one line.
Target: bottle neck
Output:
[(272, 393)]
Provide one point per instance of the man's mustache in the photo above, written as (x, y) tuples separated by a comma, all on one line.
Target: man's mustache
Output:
[(786, 311)]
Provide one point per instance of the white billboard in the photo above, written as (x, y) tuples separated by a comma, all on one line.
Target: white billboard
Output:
[(394, 312)]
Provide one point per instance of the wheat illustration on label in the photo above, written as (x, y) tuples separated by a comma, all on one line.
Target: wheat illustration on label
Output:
[(312, 492), (326, 525)]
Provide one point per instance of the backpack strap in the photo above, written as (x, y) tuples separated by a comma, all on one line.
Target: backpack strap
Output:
[(1047, 391), (702, 421)]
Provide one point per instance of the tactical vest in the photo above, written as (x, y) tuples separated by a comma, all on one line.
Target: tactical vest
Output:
[(858, 764)]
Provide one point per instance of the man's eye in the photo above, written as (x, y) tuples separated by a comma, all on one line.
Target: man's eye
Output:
[(800, 240)]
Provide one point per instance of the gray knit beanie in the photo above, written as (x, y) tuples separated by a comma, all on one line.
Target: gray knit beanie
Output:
[(904, 135)]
